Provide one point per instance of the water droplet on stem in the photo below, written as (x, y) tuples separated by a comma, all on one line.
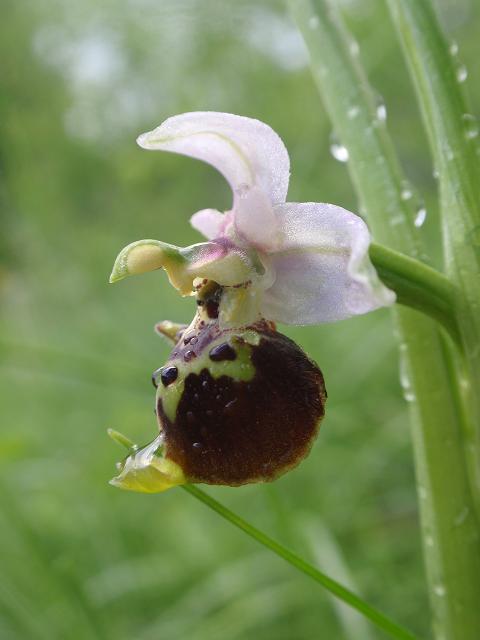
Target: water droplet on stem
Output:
[(338, 150), (420, 217), (381, 112), (353, 112), (354, 48), (406, 193), (405, 382), (439, 590), (462, 73), (470, 126)]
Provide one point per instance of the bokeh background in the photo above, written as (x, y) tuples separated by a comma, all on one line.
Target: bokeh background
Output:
[(80, 559)]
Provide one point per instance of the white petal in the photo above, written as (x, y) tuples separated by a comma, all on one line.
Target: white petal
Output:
[(209, 222), (246, 151), (255, 221), (323, 272)]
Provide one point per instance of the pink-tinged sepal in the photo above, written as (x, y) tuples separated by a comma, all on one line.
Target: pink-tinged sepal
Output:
[(323, 271)]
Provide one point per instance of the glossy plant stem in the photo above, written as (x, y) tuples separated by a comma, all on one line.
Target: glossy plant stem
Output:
[(417, 286), (449, 527), (453, 137), (378, 618)]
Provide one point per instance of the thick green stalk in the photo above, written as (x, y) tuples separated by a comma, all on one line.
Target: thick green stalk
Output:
[(375, 616), (449, 526), (452, 133), (417, 286)]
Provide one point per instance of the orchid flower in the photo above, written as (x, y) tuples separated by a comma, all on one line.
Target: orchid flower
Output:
[(265, 260), (301, 263)]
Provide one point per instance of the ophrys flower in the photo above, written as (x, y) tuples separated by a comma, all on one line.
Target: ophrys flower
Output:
[(238, 402)]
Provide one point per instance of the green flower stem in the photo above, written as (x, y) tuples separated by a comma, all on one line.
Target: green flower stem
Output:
[(447, 509), (417, 286), (453, 137), (378, 618)]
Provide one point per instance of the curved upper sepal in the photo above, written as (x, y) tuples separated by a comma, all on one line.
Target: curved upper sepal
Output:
[(246, 151)]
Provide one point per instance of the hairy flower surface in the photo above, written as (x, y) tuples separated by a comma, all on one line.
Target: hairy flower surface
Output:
[(238, 402)]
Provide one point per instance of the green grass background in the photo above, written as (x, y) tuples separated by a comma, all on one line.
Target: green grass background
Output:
[(79, 559)]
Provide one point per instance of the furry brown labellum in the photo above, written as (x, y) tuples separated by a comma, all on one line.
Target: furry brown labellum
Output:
[(234, 406), (237, 406)]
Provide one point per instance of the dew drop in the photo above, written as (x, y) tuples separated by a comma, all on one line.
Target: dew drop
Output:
[(436, 174), (353, 112), (313, 22), (470, 126), (409, 395), (453, 48), (405, 382), (406, 192), (242, 190), (461, 516), (338, 150), (222, 352), (439, 590), (168, 375), (422, 492), (429, 541), (381, 112), (462, 73), (420, 217), (464, 383), (354, 48), (197, 445)]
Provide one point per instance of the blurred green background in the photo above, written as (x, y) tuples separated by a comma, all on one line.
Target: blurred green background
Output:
[(78, 558)]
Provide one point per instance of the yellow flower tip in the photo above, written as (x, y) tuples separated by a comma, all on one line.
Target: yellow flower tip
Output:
[(116, 276), (120, 439), (169, 330), (144, 258), (136, 258), (145, 471)]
